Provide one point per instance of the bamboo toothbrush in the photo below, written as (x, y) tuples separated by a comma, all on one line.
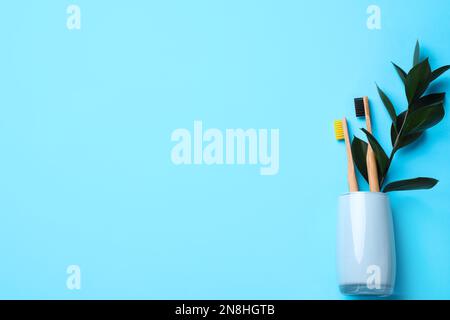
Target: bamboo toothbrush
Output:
[(341, 132), (362, 109)]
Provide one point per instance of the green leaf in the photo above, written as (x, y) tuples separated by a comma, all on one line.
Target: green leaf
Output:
[(416, 59), (405, 139), (402, 74), (438, 72), (359, 152), (388, 105), (411, 184), (394, 134), (428, 101), (423, 118), (417, 80), (380, 155)]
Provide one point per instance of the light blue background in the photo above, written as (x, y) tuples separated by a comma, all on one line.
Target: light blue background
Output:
[(85, 124)]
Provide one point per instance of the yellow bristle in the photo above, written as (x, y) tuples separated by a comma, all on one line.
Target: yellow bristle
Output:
[(338, 130)]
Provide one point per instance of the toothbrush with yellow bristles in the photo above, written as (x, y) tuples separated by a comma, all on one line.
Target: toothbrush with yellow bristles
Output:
[(341, 133)]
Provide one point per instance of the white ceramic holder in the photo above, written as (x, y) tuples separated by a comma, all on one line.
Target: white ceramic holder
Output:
[(365, 244)]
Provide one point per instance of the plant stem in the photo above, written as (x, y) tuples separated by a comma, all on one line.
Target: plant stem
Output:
[(394, 149)]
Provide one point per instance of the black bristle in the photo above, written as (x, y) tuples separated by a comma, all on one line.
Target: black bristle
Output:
[(359, 107)]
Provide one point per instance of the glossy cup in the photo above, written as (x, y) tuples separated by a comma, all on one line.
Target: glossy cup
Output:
[(365, 244)]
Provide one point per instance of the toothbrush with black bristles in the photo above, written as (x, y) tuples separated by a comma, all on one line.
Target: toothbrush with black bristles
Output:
[(362, 109)]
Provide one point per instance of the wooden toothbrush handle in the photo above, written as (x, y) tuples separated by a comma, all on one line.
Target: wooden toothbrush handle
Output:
[(351, 175), (372, 171)]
